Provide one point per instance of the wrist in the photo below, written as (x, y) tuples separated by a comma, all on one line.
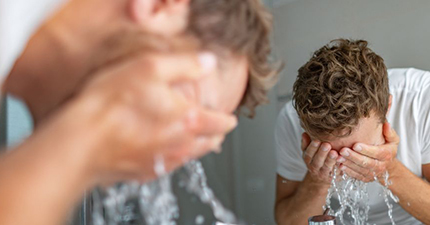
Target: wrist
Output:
[(316, 186), (76, 139), (391, 170)]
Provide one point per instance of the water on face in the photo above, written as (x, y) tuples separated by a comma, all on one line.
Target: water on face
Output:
[(353, 198), (156, 201)]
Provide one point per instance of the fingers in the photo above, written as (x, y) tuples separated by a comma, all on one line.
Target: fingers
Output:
[(380, 152), (310, 151), (358, 159), (390, 134), (350, 172), (329, 163), (204, 145), (204, 122), (365, 172), (367, 150), (184, 66), (320, 157)]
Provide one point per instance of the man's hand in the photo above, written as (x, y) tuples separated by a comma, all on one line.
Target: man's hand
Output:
[(136, 115), (367, 163), (319, 158)]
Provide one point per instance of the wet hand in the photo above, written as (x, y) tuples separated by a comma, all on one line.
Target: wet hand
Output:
[(320, 159), (139, 116), (366, 162)]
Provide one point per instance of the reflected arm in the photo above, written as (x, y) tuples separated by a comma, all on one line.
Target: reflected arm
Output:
[(43, 178)]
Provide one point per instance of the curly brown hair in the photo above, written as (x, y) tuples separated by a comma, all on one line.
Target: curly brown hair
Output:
[(238, 27), (243, 27), (343, 82)]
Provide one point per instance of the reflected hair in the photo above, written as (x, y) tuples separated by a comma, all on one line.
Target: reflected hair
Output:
[(244, 28)]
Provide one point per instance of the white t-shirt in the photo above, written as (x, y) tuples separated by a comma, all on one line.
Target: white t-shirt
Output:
[(409, 116), (18, 21)]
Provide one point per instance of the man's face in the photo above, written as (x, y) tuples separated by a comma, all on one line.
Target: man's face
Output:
[(368, 131), (222, 90)]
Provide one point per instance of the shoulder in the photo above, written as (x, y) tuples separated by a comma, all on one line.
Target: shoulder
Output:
[(409, 79), (288, 123), (288, 115)]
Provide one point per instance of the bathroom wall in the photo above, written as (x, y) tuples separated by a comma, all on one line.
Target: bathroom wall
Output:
[(398, 30)]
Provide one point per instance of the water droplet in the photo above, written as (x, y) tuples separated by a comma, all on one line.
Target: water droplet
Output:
[(200, 219)]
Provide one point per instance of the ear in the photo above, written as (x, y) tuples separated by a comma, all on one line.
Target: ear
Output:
[(390, 101), (164, 17)]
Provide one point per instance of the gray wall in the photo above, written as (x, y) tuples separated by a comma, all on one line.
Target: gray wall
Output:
[(398, 30)]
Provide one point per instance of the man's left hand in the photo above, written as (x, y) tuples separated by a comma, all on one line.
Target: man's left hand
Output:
[(368, 163)]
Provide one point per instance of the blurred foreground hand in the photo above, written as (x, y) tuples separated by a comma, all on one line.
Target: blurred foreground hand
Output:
[(123, 119), (140, 116)]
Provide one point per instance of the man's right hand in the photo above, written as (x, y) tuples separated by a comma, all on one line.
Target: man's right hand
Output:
[(131, 114), (319, 158)]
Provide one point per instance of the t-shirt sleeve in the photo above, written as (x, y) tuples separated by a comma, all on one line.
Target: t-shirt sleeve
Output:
[(425, 121), (288, 131)]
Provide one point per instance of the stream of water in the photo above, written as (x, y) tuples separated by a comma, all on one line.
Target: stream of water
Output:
[(353, 198), (157, 204)]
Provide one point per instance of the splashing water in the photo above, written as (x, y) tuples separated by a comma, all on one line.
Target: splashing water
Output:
[(388, 193), (353, 198), (157, 203), (197, 184), (352, 195)]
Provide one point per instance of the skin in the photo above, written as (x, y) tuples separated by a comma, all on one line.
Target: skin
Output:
[(368, 152), (107, 126), (72, 42)]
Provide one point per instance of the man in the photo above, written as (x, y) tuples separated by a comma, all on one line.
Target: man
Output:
[(344, 103), (121, 82), (77, 44)]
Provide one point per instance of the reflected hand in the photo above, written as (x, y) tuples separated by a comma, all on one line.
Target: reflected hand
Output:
[(138, 116), (366, 162), (319, 158)]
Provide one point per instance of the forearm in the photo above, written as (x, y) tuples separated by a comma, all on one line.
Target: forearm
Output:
[(306, 202), (42, 179), (406, 186), (47, 65), (29, 74)]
